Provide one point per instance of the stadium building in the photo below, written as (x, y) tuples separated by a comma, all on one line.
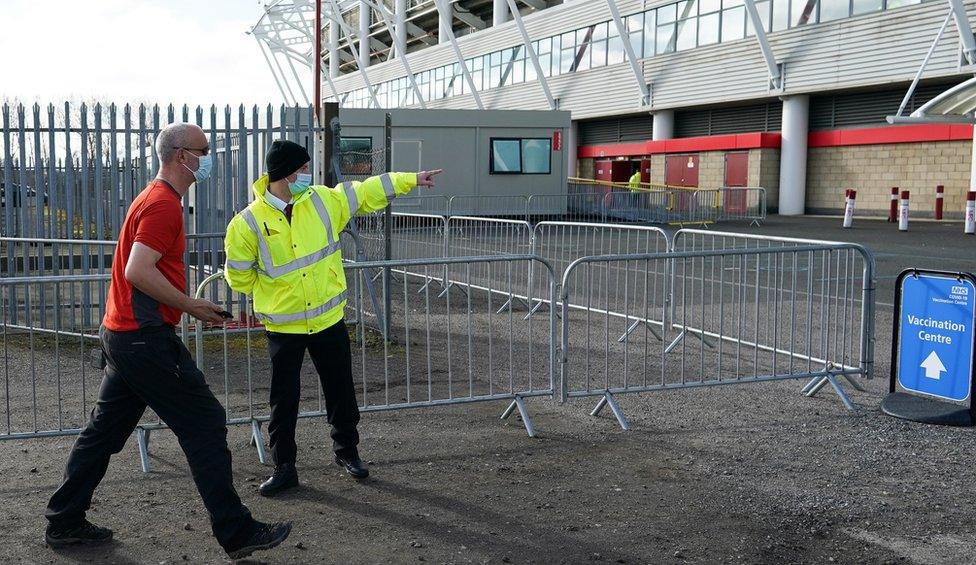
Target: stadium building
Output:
[(686, 92)]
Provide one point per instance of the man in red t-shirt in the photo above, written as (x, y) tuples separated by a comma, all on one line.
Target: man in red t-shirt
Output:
[(148, 365)]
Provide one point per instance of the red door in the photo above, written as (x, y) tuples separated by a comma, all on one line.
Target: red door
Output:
[(645, 170), (681, 170), (736, 175), (603, 170)]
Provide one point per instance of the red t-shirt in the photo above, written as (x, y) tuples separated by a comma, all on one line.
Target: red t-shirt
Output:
[(155, 219)]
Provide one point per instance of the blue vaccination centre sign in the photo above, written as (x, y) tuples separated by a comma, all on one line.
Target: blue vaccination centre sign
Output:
[(937, 312)]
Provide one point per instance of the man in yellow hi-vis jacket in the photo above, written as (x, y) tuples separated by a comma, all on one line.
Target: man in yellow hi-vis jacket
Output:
[(635, 181), (283, 250)]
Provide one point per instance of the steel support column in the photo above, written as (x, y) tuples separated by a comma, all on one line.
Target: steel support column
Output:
[(499, 12), (460, 59), (527, 41), (631, 56), (663, 125), (965, 31), (793, 156), (445, 22), (336, 16), (775, 74), (403, 57), (333, 50), (400, 17)]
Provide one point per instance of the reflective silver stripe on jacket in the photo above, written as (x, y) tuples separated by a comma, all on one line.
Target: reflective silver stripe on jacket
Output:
[(306, 315), (241, 265), (351, 196), (264, 251), (388, 187)]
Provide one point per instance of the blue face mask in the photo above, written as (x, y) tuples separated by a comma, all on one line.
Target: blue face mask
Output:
[(203, 170), (301, 183)]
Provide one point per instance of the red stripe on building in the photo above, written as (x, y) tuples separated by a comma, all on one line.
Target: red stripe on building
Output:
[(683, 145), (894, 134), (742, 141)]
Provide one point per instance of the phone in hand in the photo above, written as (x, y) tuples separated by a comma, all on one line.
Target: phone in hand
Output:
[(226, 315)]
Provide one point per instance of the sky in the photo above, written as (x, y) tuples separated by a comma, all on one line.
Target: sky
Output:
[(192, 52)]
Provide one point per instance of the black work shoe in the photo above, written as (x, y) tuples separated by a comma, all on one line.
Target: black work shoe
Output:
[(85, 533), (285, 477), (353, 465), (265, 536)]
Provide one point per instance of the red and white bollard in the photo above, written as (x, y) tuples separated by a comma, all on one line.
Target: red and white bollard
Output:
[(851, 194), (939, 194), (893, 209), (903, 212), (971, 212)]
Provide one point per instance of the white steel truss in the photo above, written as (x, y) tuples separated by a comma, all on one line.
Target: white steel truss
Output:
[(957, 104)]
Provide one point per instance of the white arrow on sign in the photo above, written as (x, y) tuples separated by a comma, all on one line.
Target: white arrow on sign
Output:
[(933, 366)]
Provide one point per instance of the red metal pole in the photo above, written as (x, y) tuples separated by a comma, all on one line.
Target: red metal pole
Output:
[(893, 210), (318, 59), (939, 193)]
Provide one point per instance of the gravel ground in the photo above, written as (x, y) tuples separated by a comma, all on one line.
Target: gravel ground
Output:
[(738, 474)]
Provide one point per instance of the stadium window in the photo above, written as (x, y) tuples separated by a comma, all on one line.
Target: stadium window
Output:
[(635, 29), (834, 10), (708, 29), (781, 14), (900, 3), (686, 34), (733, 23), (521, 156), (649, 21), (867, 6), (803, 12)]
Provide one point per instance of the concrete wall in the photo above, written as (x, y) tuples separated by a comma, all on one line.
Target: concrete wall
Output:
[(459, 142), (873, 169), (764, 172)]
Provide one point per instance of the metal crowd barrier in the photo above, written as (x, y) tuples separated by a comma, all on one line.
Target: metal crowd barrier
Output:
[(729, 317), (442, 350), (561, 243), (746, 203)]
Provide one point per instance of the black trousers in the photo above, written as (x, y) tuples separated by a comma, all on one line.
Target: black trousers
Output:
[(152, 367), (332, 357)]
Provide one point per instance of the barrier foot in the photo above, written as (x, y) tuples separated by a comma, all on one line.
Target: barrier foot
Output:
[(508, 304), (633, 327), (674, 343), (815, 386), (608, 400), (809, 386), (142, 440), (448, 288), (257, 439), (523, 413), (427, 284), (534, 309), (842, 394)]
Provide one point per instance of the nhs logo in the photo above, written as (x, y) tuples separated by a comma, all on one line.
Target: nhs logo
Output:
[(959, 291)]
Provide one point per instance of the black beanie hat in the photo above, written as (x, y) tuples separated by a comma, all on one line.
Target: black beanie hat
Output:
[(284, 158)]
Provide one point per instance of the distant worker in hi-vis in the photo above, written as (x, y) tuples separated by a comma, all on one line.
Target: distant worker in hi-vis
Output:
[(283, 251), (635, 181)]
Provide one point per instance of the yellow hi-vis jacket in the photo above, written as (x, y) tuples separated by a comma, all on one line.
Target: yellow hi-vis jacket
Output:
[(635, 181), (293, 270)]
